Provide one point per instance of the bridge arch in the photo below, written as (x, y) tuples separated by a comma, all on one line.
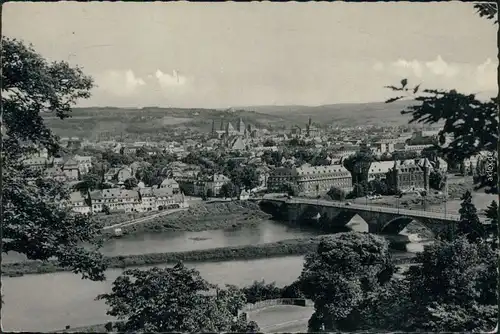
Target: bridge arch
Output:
[(396, 225)]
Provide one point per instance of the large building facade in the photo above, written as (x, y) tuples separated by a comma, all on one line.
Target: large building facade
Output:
[(311, 180), (409, 175)]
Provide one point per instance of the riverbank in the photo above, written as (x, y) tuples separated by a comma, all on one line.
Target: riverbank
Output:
[(204, 216), (300, 246), (121, 217)]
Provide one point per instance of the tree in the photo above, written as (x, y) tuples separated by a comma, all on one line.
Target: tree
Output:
[(336, 194), (338, 276), (404, 155), (454, 288), (117, 159), (472, 124), (228, 190), (130, 183), (146, 175), (492, 229), (469, 224), (209, 193), (378, 187), (173, 299), (359, 164), (488, 10), (245, 177), (106, 210), (436, 180), (290, 188), (431, 153), (89, 182), (358, 190), (34, 221), (386, 308), (261, 291), (141, 152), (386, 156), (268, 143)]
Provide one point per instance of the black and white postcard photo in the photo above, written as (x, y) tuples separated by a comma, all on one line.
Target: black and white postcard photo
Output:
[(249, 167)]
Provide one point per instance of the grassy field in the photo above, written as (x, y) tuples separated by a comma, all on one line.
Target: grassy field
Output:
[(203, 217)]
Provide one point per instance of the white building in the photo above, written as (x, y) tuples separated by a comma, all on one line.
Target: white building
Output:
[(115, 199), (78, 203), (170, 184), (379, 169), (84, 163), (317, 179)]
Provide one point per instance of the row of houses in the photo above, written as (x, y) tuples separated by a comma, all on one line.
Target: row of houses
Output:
[(193, 183), (59, 168), (166, 196)]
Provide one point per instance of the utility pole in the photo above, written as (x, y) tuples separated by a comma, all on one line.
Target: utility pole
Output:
[(445, 195)]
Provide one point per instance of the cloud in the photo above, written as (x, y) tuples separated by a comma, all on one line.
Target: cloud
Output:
[(121, 83), (414, 66), (486, 75), (440, 67), (439, 73), (168, 81)]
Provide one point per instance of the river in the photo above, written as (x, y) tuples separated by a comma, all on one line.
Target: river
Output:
[(179, 241), (52, 301)]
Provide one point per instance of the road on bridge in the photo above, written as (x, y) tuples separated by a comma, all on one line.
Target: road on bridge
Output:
[(372, 208)]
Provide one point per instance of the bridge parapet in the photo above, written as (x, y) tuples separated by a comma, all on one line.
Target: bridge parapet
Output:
[(274, 302)]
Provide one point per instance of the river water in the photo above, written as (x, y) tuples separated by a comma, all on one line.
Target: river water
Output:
[(52, 301), (265, 231)]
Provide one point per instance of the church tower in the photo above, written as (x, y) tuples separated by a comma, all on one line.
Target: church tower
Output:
[(395, 175), (241, 127), (426, 167)]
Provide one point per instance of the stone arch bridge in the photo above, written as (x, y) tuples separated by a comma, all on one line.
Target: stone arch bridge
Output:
[(338, 214)]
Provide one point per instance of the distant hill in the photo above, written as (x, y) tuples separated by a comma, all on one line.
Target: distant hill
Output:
[(347, 114), (156, 122)]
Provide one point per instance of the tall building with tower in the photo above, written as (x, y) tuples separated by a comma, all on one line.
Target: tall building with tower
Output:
[(311, 130), (409, 175), (228, 130)]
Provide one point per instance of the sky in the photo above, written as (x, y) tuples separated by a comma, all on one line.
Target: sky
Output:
[(219, 55)]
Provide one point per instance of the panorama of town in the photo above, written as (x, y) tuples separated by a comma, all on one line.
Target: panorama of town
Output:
[(127, 207), (238, 162)]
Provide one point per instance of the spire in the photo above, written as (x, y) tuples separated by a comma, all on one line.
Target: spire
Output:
[(241, 126), (213, 126), (221, 125)]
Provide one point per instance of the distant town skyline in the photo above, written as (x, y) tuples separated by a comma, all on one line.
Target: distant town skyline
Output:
[(222, 55)]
